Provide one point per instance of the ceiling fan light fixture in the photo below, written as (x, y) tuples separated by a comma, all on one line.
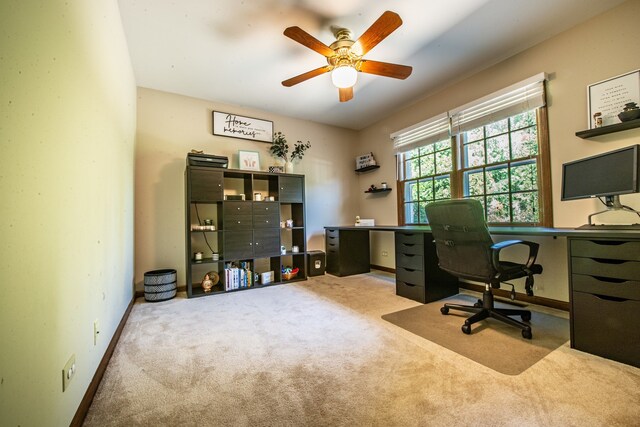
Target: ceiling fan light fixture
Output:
[(344, 76)]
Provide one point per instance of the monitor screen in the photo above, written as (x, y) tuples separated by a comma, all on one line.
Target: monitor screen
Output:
[(606, 174)]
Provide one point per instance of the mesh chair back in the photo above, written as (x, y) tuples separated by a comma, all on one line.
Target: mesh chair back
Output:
[(462, 239)]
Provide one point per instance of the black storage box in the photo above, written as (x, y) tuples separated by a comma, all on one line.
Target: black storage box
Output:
[(209, 160), (315, 263)]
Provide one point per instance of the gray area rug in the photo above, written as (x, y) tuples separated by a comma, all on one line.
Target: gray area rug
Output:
[(492, 343)]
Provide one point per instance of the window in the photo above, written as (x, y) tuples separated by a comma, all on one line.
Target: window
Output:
[(500, 159)]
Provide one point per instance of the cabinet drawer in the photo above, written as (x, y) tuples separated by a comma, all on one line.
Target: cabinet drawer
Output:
[(265, 208), (414, 262), (629, 270), (409, 248), (271, 220), (206, 185), (607, 249), (606, 327), (237, 208), (238, 222), (409, 275), (238, 245), (620, 288), (331, 233), (266, 242), (410, 238), (410, 291), (291, 189)]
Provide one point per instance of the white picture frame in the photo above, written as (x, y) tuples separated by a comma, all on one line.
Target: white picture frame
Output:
[(609, 96), (243, 127), (248, 160)]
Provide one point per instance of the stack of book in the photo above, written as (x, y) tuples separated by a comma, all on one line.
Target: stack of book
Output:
[(238, 276)]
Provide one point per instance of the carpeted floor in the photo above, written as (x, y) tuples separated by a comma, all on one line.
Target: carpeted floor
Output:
[(318, 353)]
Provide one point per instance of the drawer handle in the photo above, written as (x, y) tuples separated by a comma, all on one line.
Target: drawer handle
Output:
[(408, 255), (331, 237), (610, 298), (608, 242), (609, 261), (409, 244), (609, 279), (331, 244), (411, 270), (409, 284)]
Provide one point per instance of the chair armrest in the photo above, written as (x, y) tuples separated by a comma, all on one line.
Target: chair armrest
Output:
[(497, 247)]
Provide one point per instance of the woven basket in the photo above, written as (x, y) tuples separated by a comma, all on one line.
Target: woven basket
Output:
[(289, 276), (160, 285)]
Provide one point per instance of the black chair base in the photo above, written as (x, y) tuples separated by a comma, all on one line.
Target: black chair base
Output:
[(485, 308)]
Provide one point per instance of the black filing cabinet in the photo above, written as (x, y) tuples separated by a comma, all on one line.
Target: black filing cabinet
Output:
[(418, 276), (347, 251), (604, 276)]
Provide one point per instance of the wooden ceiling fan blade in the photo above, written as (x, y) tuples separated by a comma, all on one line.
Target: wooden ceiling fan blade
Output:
[(306, 76), (306, 39), (385, 69), (346, 93), (378, 31)]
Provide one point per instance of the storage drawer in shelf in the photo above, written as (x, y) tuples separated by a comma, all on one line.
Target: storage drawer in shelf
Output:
[(606, 327), (238, 222), (265, 208), (629, 270), (620, 288), (271, 220), (409, 275), (332, 234), (409, 261), (409, 238), (237, 208), (266, 242), (607, 249), (411, 291), (409, 248)]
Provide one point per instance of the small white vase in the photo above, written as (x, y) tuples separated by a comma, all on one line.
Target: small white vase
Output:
[(288, 167)]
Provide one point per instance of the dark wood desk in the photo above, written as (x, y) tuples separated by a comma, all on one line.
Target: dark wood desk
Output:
[(604, 277)]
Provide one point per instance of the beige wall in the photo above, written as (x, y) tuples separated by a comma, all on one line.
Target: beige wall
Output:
[(67, 102), (603, 47), (170, 125)]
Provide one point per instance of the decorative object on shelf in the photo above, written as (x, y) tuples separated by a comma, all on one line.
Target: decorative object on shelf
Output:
[(276, 169), (249, 160), (630, 112), (280, 150), (283, 250), (203, 228), (197, 256), (257, 197), (215, 256), (357, 220), (266, 277), (234, 197), (610, 95), (597, 120), (295, 249), (207, 283), (365, 222), (289, 273), (365, 161), (235, 126), (372, 188), (383, 185), (289, 223)]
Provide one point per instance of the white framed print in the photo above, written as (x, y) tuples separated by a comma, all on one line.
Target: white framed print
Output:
[(249, 160), (609, 97)]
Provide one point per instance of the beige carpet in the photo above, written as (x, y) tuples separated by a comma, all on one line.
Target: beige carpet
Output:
[(318, 353), (492, 343)]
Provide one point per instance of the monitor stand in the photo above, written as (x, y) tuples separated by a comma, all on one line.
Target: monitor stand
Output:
[(613, 204)]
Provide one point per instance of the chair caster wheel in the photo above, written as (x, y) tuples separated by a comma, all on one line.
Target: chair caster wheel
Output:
[(525, 317), (526, 333), (466, 329), (444, 310)]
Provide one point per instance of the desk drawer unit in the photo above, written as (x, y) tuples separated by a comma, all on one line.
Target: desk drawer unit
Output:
[(418, 276), (347, 251), (605, 297)]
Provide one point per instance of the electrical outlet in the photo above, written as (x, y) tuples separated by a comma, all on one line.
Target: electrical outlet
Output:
[(385, 253), (96, 331), (68, 372)]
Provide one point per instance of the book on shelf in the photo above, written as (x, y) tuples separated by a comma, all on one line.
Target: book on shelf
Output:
[(238, 276)]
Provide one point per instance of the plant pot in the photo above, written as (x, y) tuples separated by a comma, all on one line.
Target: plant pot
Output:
[(288, 167)]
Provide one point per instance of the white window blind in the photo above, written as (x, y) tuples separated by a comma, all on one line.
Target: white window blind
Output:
[(426, 132), (518, 98)]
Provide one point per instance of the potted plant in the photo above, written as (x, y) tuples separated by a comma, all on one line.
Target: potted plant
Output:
[(280, 150)]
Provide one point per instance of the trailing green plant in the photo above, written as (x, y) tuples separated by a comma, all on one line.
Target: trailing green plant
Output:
[(280, 148)]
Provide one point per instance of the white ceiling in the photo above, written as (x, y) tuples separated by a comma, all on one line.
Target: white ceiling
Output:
[(234, 52)]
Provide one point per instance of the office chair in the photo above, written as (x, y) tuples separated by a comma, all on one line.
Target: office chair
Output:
[(465, 249)]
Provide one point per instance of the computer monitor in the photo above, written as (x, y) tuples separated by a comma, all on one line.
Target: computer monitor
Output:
[(605, 175)]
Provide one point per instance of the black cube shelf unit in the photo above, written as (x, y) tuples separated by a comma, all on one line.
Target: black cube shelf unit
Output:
[(247, 233)]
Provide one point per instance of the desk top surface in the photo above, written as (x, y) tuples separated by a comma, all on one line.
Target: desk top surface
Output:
[(595, 231)]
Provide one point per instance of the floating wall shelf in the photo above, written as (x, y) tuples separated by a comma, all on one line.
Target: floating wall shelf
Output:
[(618, 127), (367, 168), (378, 190)]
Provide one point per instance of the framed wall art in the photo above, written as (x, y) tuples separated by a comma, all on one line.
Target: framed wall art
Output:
[(608, 97), (249, 160), (236, 126)]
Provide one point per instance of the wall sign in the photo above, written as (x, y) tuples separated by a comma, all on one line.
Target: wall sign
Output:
[(236, 126), (609, 96)]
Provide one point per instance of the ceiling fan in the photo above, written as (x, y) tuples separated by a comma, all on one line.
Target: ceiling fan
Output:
[(344, 56)]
